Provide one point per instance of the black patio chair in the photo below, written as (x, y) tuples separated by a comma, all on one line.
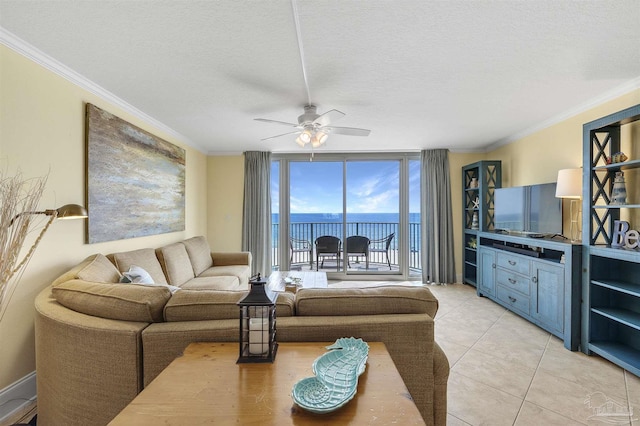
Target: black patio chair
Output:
[(382, 246), (328, 246), (358, 246), (300, 246)]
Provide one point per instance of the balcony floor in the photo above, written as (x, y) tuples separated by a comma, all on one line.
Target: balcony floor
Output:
[(330, 266)]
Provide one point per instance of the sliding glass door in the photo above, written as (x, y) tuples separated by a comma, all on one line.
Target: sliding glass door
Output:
[(372, 206), (316, 214), (344, 215)]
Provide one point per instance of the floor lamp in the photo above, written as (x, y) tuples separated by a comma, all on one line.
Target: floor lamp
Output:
[(68, 211), (569, 186)]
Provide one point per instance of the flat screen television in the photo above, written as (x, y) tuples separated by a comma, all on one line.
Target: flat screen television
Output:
[(532, 210)]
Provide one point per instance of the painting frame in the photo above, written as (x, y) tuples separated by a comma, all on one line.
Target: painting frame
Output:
[(135, 181)]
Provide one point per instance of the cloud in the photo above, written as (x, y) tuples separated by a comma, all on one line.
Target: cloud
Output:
[(383, 202)]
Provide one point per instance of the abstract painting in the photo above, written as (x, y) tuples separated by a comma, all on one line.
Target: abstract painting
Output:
[(135, 180)]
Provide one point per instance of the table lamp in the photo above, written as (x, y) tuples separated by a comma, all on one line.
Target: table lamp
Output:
[(569, 185)]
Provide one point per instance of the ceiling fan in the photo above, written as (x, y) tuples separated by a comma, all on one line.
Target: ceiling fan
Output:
[(314, 128)]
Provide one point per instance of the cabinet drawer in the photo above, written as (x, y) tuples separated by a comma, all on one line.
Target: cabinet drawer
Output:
[(517, 282), (513, 300), (513, 263)]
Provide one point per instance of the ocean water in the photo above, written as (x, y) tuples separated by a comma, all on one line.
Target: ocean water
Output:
[(351, 217), (375, 226)]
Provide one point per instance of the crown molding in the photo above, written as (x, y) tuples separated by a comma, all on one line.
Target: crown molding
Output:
[(592, 103), (30, 52), (225, 153)]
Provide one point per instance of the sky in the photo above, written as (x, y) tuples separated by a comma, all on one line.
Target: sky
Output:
[(372, 186)]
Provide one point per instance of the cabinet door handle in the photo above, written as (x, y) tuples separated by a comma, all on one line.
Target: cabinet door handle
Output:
[(512, 281), (493, 265), (534, 279), (513, 299), (512, 262)]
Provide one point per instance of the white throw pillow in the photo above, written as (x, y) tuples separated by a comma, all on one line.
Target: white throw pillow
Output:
[(137, 275)]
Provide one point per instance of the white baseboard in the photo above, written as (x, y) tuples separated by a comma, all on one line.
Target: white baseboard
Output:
[(16, 396)]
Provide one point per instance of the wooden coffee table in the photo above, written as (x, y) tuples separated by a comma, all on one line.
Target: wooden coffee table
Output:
[(206, 386), (293, 280)]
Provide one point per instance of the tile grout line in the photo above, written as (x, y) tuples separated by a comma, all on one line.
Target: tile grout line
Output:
[(477, 340), (546, 347), (626, 388)]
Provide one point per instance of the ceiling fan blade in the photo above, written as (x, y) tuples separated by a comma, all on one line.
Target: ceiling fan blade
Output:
[(277, 136), (276, 122), (351, 131), (329, 116)]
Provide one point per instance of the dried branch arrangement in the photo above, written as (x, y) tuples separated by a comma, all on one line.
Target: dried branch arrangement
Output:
[(18, 196)]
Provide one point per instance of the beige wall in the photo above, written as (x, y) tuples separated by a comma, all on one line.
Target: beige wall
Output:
[(225, 192), (42, 131)]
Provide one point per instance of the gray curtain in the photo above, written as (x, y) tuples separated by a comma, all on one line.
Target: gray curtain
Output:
[(438, 260), (256, 221)]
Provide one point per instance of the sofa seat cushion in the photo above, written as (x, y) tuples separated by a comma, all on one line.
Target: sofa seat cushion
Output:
[(243, 273), (123, 302), (199, 254), (144, 258), (365, 301), (225, 282), (175, 263), (200, 305), (99, 270)]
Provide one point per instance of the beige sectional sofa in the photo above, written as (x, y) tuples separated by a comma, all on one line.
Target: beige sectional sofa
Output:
[(99, 342)]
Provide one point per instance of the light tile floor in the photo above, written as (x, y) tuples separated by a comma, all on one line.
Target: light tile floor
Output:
[(507, 371)]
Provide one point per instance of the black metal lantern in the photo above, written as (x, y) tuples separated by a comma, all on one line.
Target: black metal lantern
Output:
[(258, 323)]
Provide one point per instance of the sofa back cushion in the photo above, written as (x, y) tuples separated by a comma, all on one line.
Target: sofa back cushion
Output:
[(124, 302), (175, 263), (200, 305), (144, 258), (100, 270), (365, 301), (199, 254)]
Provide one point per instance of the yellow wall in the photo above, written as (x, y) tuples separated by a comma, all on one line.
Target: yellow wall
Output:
[(42, 131), (226, 188)]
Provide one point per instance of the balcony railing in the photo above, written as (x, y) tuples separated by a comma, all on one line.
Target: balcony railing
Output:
[(309, 231)]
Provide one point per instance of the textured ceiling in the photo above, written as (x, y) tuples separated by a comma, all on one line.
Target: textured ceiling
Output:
[(420, 74)]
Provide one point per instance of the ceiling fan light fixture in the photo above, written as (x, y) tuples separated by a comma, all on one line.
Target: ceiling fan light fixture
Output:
[(318, 139), (306, 136), (300, 142)]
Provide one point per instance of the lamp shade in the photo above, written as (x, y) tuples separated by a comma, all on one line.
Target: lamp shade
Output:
[(300, 142), (71, 211), (569, 183), (306, 135), (318, 139)]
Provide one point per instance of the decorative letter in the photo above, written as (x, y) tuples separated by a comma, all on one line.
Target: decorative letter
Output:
[(620, 227), (631, 239)]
